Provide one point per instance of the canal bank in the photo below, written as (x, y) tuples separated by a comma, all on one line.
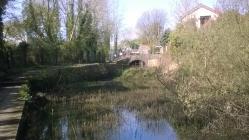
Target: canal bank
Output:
[(10, 107), (95, 102)]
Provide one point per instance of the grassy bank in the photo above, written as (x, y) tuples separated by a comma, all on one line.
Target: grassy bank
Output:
[(97, 97), (55, 78)]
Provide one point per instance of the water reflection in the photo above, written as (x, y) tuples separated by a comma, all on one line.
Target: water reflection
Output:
[(64, 128), (92, 115), (132, 128)]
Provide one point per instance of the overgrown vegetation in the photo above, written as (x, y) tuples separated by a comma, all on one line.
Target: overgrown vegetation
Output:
[(24, 93), (212, 79), (206, 96), (137, 78), (92, 106), (56, 33), (94, 103), (56, 78)]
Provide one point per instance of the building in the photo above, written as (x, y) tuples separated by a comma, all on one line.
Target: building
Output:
[(201, 14)]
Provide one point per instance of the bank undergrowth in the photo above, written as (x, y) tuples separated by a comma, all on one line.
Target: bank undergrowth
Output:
[(212, 79), (197, 113)]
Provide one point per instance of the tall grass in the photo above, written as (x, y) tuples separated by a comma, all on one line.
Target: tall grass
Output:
[(139, 91)]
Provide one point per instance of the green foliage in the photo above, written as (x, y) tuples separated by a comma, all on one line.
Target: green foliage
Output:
[(55, 78), (23, 46), (135, 78), (166, 37), (134, 44), (3, 57), (42, 27), (213, 72), (87, 38), (24, 93), (83, 43)]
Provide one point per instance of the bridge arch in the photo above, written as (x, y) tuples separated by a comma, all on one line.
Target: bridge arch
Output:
[(137, 62)]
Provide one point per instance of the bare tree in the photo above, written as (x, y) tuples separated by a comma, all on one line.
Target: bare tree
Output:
[(183, 6), (241, 6), (151, 26), (116, 23)]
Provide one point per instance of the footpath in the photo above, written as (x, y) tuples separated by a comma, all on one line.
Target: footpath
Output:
[(10, 107)]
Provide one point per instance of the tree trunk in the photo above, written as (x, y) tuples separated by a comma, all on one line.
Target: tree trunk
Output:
[(1, 37), (2, 49), (115, 43)]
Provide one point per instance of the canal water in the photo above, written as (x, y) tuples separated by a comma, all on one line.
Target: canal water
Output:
[(69, 122), (111, 109), (132, 128)]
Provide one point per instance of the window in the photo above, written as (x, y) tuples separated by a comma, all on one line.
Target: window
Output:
[(204, 19)]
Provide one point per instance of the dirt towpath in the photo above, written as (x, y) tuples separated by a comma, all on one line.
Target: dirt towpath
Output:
[(10, 107)]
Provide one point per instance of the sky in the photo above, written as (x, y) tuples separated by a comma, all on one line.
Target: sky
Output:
[(131, 10)]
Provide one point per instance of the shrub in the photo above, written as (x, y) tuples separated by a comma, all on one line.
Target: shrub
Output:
[(55, 78), (213, 72), (24, 93)]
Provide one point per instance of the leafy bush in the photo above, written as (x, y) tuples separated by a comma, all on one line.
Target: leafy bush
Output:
[(139, 78), (24, 93), (213, 74)]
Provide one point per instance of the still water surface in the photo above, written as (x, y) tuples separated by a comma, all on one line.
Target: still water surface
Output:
[(134, 129), (131, 127)]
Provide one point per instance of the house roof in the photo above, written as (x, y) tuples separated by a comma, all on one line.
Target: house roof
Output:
[(200, 5)]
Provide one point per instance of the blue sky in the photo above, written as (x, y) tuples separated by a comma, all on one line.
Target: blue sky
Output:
[(131, 10)]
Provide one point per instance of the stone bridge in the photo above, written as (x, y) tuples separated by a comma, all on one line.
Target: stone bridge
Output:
[(148, 60)]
